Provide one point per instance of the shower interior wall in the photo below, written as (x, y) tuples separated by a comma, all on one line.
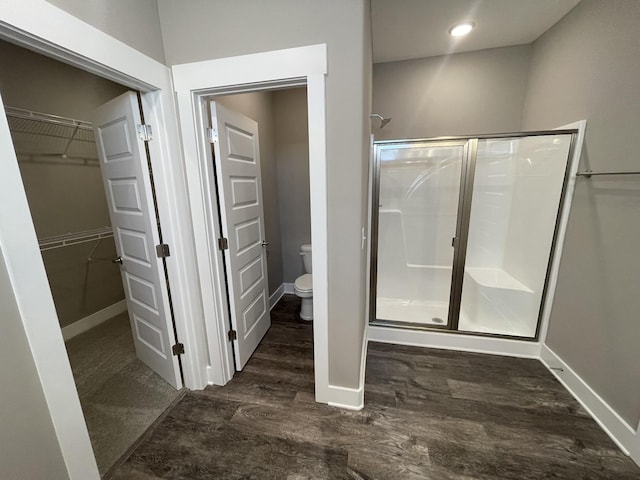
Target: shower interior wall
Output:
[(64, 196), (516, 195), (284, 164), (419, 190)]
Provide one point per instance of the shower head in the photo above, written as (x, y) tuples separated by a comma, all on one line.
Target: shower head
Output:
[(383, 121)]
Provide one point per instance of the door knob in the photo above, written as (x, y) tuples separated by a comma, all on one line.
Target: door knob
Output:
[(117, 260), (264, 244)]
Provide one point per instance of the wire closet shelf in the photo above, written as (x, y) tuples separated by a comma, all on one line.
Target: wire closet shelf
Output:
[(61, 140), (41, 137), (67, 239)]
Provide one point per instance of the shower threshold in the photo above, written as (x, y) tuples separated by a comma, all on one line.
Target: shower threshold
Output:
[(412, 311)]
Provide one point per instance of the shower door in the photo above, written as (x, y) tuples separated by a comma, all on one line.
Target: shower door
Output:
[(464, 231), (418, 190)]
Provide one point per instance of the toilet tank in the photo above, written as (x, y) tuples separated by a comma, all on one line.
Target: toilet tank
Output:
[(305, 251)]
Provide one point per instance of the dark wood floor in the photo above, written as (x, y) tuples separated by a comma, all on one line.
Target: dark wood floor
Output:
[(429, 414)]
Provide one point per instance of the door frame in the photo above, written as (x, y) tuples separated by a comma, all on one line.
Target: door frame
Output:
[(55, 33), (194, 83)]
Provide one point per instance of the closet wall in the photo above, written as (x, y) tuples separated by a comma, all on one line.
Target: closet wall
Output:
[(65, 195)]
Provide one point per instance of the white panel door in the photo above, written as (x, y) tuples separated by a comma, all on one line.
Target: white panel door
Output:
[(123, 163), (237, 160)]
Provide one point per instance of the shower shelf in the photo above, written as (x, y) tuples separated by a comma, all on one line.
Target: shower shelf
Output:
[(496, 278), (67, 239)]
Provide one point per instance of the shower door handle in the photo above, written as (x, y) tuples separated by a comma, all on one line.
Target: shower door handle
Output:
[(117, 260)]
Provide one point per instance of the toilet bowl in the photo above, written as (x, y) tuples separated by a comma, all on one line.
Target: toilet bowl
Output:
[(304, 289), (303, 286)]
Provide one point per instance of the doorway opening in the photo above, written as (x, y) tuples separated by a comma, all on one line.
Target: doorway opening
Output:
[(194, 83), (48, 108), (259, 163)]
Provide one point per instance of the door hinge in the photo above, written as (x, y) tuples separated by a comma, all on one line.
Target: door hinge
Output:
[(144, 132), (178, 349), (223, 243), (212, 135), (233, 335), (162, 250)]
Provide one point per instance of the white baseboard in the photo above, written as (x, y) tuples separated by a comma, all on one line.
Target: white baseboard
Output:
[(625, 436), (93, 320), (276, 296), (351, 398), (348, 398), (363, 360), (288, 288), (449, 341)]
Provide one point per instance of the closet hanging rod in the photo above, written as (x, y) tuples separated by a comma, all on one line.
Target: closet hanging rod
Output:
[(46, 117), (59, 241), (58, 159), (589, 173)]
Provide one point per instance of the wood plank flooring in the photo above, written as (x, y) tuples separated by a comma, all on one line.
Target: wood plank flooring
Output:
[(429, 414)]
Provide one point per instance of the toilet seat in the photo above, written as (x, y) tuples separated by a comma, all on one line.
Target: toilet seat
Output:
[(304, 283)]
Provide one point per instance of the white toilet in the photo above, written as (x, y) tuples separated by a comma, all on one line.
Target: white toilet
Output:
[(304, 284)]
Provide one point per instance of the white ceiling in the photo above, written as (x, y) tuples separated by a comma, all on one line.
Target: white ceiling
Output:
[(405, 29)]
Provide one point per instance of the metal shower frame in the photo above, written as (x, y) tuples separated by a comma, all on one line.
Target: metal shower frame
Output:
[(470, 152)]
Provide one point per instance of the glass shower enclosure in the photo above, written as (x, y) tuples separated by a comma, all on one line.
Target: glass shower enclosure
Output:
[(463, 231)]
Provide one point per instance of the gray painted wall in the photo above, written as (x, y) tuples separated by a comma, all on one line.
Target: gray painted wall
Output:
[(30, 446), (46, 85), (135, 23), (365, 138), (205, 29), (292, 152), (259, 107), (588, 67), (63, 197), (581, 68), (465, 93)]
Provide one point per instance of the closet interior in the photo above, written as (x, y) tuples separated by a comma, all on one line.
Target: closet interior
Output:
[(47, 105), (61, 174)]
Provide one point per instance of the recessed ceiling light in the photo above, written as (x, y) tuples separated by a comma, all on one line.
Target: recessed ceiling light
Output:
[(461, 29)]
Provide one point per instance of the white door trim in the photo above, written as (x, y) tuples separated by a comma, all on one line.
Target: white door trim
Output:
[(193, 83), (46, 29)]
